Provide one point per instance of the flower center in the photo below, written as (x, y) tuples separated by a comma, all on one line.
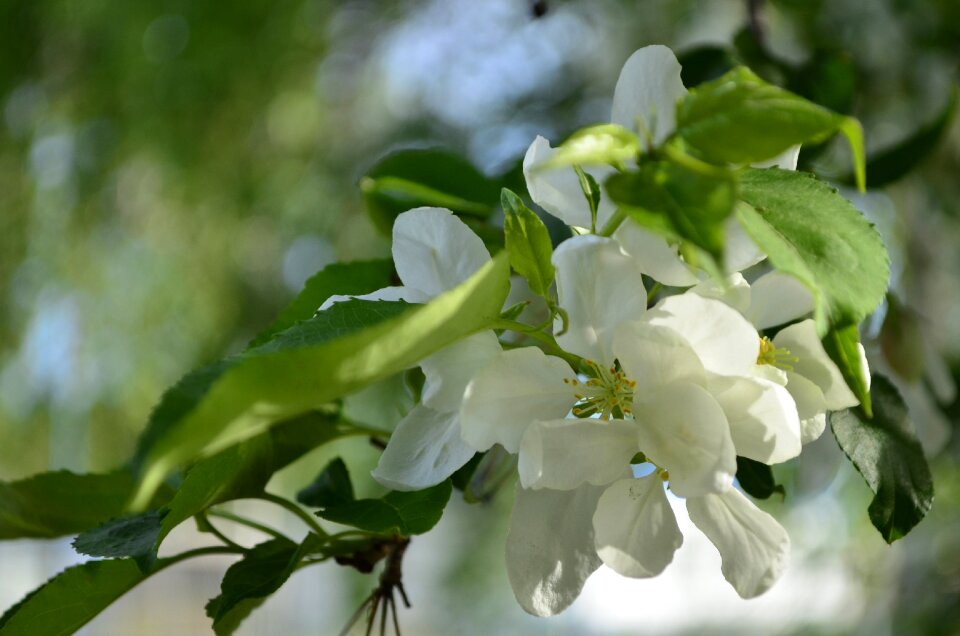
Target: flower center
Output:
[(605, 393), (776, 357)]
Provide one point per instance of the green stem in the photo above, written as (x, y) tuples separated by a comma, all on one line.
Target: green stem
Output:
[(360, 429), (250, 523), (304, 516), (216, 532), (189, 554), (615, 221), (546, 339)]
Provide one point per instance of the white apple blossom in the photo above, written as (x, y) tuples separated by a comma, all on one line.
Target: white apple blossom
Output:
[(433, 251), (644, 100), (674, 383)]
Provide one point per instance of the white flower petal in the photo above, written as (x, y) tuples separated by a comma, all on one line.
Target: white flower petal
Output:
[(434, 251), (777, 298), (449, 370), (600, 287), (726, 343), (762, 415), (636, 530), (558, 191), (424, 449), (739, 250), (685, 431), (753, 546), (517, 388), (406, 294), (787, 160), (734, 293), (550, 547), (655, 356), (814, 364), (563, 454), (811, 406), (656, 257), (647, 93)]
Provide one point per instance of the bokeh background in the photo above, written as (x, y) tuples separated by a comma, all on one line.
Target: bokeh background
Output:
[(171, 172)]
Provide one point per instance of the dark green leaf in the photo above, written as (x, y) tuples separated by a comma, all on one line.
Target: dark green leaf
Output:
[(528, 244), (693, 198), (756, 478), (887, 453), (247, 583), (461, 478), (337, 321), (412, 178), (71, 599), (264, 387), (134, 536), (812, 233), (62, 503), (843, 346), (704, 63), (331, 487), (405, 513), (894, 162), (356, 278), (242, 471), (740, 119)]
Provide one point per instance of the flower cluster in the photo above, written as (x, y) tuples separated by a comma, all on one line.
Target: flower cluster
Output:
[(682, 387)]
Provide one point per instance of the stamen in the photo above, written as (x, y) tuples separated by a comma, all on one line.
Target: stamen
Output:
[(776, 357), (606, 392)]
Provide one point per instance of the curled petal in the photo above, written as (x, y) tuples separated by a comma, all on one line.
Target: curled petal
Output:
[(635, 528), (655, 256), (517, 388), (685, 431), (550, 547), (434, 251), (739, 251), (811, 406), (558, 191), (776, 299), (449, 370), (814, 364), (763, 418), (563, 454), (424, 449), (600, 287), (647, 93), (753, 546), (723, 339)]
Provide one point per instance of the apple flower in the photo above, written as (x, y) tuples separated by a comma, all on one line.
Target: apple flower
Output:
[(433, 251), (673, 383)]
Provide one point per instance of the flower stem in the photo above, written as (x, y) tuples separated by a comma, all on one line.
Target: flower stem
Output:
[(545, 338), (304, 516), (250, 523), (615, 221)]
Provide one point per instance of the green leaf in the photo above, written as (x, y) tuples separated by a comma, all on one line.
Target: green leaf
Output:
[(265, 386), (842, 345), (412, 178), (242, 471), (887, 453), (704, 63), (331, 487), (405, 513), (756, 478), (528, 244), (597, 145), (60, 503), (248, 582), (347, 279), (812, 233), (740, 119), (694, 199), (133, 536), (898, 160)]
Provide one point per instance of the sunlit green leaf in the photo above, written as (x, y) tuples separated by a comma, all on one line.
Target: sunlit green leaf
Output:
[(812, 233), (842, 344), (262, 388), (528, 244), (740, 119), (886, 451)]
